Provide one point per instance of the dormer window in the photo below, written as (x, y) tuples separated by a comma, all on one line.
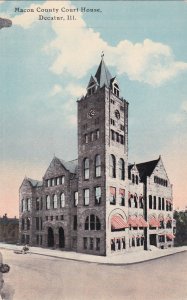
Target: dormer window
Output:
[(115, 88), (91, 90)]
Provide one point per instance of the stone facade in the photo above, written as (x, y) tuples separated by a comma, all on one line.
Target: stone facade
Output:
[(9, 230), (99, 204)]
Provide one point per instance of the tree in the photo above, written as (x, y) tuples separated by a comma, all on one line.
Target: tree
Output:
[(181, 227)]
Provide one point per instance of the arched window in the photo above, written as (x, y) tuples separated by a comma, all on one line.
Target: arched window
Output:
[(47, 202), (86, 168), (37, 203), (112, 166), (121, 169), (133, 178), (92, 222), (97, 165), (54, 201), (28, 224), (136, 179), (62, 200)]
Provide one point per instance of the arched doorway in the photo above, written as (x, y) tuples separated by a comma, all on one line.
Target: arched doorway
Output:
[(50, 237), (61, 238)]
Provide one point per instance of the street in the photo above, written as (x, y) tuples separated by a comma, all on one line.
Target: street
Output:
[(41, 277)]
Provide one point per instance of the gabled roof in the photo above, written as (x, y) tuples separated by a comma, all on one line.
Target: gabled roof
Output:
[(92, 81), (146, 169), (70, 165), (35, 183), (103, 75)]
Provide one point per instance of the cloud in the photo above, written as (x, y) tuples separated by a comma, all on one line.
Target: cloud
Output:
[(56, 90), (180, 116), (75, 90), (149, 62)]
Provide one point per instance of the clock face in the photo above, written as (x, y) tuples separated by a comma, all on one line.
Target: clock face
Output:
[(91, 113), (117, 114)]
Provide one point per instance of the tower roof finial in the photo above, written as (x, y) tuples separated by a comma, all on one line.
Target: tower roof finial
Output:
[(102, 54)]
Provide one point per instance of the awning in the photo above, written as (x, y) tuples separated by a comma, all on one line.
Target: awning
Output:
[(122, 192), (112, 190), (153, 222), (132, 221), (168, 220), (170, 236), (117, 222), (143, 222)]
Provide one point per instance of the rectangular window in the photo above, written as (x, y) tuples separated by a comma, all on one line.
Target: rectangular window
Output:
[(154, 202), (46, 218), (150, 201), (97, 195), (41, 203), (122, 127), (85, 242), (63, 179), (159, 203), (62, 217), (75, 222), (122, 139), (91, 243), (112, 195), (51, 218), (37, 223), (163, 204), (97, 244), (75, 199), (37, 239), (113, 135), (86, 139), (92, 136), (56, 217), (97, 134), (86, 197), (117, 137), (122, 197), (41, 224)]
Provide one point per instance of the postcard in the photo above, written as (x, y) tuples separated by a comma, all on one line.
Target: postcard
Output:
[(93, 149)]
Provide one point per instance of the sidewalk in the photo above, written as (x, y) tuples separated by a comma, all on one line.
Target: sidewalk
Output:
[(121, 259)]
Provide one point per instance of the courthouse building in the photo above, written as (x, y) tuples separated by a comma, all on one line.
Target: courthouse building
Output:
[(99, 203)]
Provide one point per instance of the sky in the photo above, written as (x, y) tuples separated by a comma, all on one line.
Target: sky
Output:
[(45, 66)]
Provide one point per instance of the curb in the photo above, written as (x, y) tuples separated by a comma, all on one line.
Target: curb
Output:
[(101, 263), (109, 263)]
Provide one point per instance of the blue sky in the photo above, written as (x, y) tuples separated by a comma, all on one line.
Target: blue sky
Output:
[(46, 65)]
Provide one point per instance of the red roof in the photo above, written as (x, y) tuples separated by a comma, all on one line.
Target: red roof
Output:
[(132, 221), (170, 236), (143, 222), (153, 222), (117, 222)]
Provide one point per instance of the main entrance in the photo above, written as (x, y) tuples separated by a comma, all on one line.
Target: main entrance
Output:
[(50, 237), (61, 238)]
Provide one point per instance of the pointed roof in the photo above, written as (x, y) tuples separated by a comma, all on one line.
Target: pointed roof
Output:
[(71, 166), (146, 169), (103, 75)]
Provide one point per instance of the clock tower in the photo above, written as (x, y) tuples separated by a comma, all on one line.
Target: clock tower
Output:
[(102, 162)]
